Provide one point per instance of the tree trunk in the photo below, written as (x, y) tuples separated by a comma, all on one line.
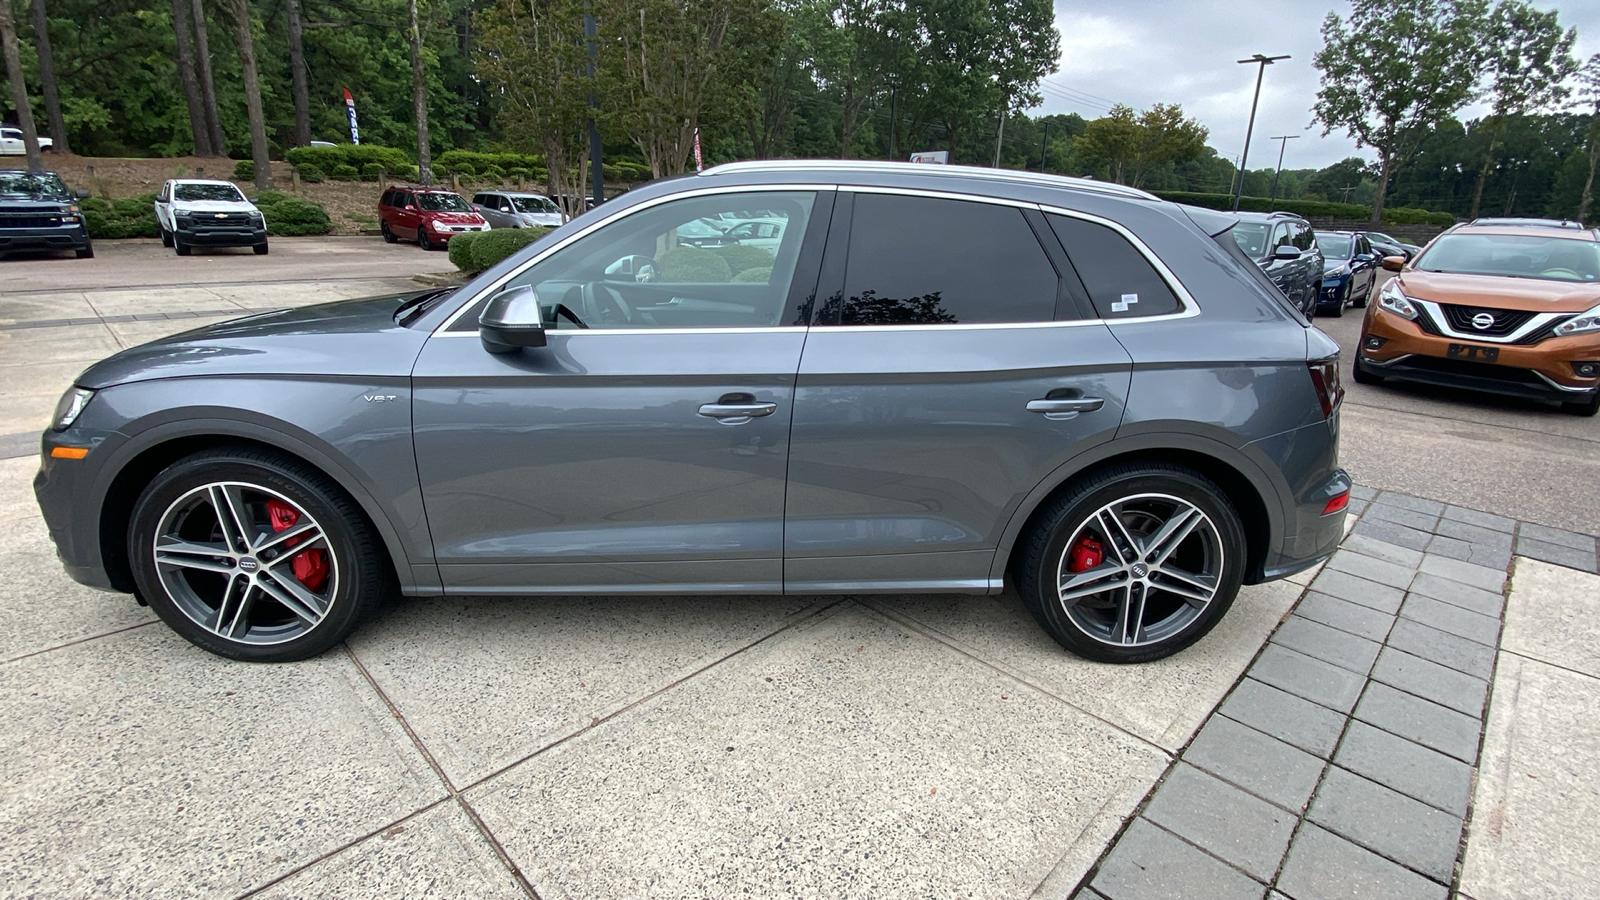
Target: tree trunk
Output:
[(297, 72), (47, 78), (1383, 189), (19, 88), (184, 39), (846, 122), (419, 99), (208, 87), (1594, 163), (1483, 172), (252, 96)]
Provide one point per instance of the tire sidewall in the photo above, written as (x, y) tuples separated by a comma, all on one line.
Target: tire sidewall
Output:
[(1041, 573), (191, 473)]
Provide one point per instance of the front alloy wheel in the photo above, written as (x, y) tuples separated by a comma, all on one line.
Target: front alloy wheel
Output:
[(1135, 564), (253, 557)]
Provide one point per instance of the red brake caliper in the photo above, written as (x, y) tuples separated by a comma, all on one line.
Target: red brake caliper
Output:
[(310, 566), (1086, 554)]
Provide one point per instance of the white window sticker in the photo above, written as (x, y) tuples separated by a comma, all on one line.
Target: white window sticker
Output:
[(1123, 304)]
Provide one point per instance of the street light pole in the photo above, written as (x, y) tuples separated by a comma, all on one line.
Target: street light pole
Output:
[(1263, 62), (1283, 141)]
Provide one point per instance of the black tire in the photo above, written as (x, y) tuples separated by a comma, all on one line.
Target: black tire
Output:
[(1584, 407), (388, 236), (260, 249), (422, 238), (87, 252), (198, 578), (1362, 376), (1344, 300), (1138, 496), (181, 245), (166, 236)]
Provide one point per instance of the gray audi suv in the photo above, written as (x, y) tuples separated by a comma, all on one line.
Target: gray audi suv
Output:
[(941, 379)]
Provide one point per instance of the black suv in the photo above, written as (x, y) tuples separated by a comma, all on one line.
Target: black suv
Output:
[(37, 212), (1285, 247)]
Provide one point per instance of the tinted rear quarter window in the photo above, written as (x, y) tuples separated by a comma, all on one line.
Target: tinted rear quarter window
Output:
[(1121, 282), (928, 261)]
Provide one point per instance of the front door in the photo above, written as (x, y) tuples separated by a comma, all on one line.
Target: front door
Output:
[(645, 447)]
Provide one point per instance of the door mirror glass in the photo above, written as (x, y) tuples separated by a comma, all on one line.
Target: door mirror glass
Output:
[(512, 321), (636, 268), (1286, 251)]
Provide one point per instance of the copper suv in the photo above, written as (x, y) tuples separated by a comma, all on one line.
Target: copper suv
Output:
[(1506, 308)]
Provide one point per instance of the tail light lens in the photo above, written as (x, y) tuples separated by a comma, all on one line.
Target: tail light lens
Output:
[(1325, 378), (1336, 504)]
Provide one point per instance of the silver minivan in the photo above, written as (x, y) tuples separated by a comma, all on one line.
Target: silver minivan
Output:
[(517, 209)]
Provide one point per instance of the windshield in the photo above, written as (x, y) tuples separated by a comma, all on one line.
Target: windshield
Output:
[(441, 201), (47, 183), (1334, 246), (535, 205), (1514, 256), (1251, 238), (226, 193)]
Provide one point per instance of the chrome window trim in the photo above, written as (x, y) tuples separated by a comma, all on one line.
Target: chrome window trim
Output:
[(1442, 322), (577, 332), (617, 217)]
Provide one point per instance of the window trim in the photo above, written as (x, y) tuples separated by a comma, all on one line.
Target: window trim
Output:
[(443, 329)]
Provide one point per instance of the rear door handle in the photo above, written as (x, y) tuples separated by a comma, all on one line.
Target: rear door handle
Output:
[(1065, 408), (737, 409)]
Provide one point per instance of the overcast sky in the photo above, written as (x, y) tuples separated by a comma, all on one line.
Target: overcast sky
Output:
[(1141, 52)]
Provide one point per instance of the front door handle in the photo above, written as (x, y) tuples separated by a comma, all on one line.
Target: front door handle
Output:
[(1066, 407), (737, 409)]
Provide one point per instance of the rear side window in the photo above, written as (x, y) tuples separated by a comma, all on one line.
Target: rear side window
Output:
[(1121, 282), (930, 261)]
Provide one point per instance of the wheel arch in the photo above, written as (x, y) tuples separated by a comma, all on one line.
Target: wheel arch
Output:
[(1243, 481), (146, 455)]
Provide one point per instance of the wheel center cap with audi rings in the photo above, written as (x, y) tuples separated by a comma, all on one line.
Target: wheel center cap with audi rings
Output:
[(1140, 570), (248, 564), (1482, 321)]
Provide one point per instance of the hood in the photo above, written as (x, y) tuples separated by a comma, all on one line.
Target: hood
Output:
[(1329, 265), (455, 218), (347, 338), (31, 201), (214, 205), (548, 219), (1500, 292)]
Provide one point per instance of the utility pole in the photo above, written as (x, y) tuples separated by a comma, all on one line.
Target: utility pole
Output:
[(1283, 141), (1044, 146), (1262, 62), (1000, 132), (894, 91), (596, 166)]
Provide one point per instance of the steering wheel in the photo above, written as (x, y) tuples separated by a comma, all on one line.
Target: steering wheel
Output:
[(603, 307)]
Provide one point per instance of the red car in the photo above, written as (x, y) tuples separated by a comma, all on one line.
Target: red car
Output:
[(428, 216)]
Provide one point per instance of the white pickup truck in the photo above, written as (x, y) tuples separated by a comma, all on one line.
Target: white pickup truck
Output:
[(195, 212)]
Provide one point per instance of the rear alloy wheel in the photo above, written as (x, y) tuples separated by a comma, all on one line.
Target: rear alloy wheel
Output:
[(388, 236), (1134, 564), (254, 557), (1365, 296)]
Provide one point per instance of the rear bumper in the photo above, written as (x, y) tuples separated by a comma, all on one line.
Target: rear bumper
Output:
[(60, 237), (1307, 459)]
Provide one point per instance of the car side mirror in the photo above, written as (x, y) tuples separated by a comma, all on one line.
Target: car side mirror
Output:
[(81, 194), (252, 199), (635, 268), (512, 321), (1394, 263), (1286, 253)]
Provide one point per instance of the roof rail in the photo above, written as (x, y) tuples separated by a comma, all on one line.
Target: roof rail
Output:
[(855, 165)]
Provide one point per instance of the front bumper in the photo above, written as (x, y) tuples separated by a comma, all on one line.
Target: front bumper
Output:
[(1542, 371), (227, 235), (439, 236), (50, 237), (1331, 290), (70, 500)]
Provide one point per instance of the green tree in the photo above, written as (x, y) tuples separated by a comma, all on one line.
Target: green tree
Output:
[(19, 87), (1340, 180), (1132, 145), (1589, 95), (1528, 60), (1394, 71)]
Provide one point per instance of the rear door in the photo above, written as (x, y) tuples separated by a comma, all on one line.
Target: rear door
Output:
[(947, 374)]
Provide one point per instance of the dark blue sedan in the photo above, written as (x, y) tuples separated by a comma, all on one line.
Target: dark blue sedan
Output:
[(1349, 269)]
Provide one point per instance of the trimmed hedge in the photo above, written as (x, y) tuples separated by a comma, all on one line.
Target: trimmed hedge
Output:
[(760, 275), (475, 251), (741, 258), (692, 265), (469, 162), (244, 170), (291, 216), (356, 156), (1396, 215), (128, 218)]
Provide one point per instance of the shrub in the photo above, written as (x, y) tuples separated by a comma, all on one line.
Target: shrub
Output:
[(372, 171), (1402, 215), (740, 258), (467, 162), (244, 170), (692, 265), (289, 216), (762, 275), (344, 172), (493, 246), (460, 249), (128, 218), (464, 169), (493, 173), (519, 172), (310, 174), (329, 158)]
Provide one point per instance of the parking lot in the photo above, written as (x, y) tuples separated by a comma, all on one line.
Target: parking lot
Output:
[(909, 746)]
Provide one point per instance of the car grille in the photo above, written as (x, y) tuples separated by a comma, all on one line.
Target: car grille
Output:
[(28, 219), (222, 220), (1506, 321)]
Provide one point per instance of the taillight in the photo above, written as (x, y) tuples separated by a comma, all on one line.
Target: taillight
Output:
[(1336, 504), (1325, 377)]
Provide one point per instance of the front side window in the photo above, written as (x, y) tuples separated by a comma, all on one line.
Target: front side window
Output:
[(931, 261), (1282, 236), (1121, 282), (645, 271), (224, 193)]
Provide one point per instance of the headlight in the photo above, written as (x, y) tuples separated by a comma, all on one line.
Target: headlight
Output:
[(70, 407), (182, 213), (1392, 299), (1583, 324)]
